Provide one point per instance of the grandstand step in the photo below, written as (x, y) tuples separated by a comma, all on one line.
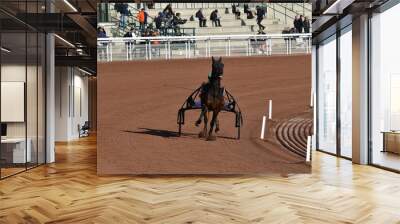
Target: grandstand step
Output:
[(223, 29), (235, 22)]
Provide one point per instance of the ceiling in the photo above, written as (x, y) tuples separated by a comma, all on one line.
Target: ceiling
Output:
[(337, 13), (74, 21)]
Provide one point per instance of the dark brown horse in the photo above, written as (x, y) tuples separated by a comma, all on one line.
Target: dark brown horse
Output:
[(212, 99)]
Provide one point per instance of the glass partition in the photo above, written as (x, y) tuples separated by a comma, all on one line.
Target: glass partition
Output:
[(22, 90), (346, 92), (327, 95), (385, 90), (14, 153)]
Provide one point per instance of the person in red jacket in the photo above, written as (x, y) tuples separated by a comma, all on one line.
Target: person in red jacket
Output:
[(142, 17)]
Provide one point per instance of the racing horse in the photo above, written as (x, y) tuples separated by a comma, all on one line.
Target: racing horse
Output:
[(212, 100)]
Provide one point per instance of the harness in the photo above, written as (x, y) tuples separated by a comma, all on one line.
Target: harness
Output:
[(206, 86)]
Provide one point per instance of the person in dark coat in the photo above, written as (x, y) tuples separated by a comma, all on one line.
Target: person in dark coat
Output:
[(246, 8), (260, 16), (298, 24), (235, 11), (158, 20), (307, 25), (101, 47), (122, 8), (201, 18), (214, 17), (129, 33), (168, 12)]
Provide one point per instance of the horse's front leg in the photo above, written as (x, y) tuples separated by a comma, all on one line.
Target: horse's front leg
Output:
[(203, 133), (213, 121), (198, 122), (216, 125)]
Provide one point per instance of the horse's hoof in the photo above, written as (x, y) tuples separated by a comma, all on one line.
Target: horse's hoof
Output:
[(201, 134), (197, 123), (211, 138), (217, 130)]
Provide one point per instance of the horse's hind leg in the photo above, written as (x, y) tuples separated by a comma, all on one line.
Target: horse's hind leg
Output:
[(216, 125), (213, 121)]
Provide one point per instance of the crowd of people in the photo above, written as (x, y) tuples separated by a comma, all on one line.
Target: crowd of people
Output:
[(169, 20), (259, 14), (166, 19), (302, 24), (215, 18)]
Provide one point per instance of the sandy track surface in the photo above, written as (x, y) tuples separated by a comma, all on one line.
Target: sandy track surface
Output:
[(137, 112)]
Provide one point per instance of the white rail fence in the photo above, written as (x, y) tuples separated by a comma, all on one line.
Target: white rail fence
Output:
[(170, 47)]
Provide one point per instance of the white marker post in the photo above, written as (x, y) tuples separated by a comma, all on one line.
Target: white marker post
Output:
[(308, 156), (263, 127), (270, 110), (312, 98)]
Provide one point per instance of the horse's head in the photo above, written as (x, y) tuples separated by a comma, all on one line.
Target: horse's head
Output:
[(217, 68)]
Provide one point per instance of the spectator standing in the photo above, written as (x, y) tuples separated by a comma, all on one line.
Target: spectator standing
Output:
[(168, 12), (202, 19), (307, 25), (122, 9), (301, 24), (250, 15), (101, 48), (123, 14), (215, 18), (248, 12), (142, 17), (246, 9), (235, 11), (158, 20), (260, 13), (298, 24)]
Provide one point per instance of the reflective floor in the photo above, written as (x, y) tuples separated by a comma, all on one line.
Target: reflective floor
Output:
[(69, 191), (387, 159)]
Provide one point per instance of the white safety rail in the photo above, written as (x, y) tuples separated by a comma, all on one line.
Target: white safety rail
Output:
[(171, 47)]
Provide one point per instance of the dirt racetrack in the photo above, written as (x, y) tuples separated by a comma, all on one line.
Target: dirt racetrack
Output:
[(137, 112)]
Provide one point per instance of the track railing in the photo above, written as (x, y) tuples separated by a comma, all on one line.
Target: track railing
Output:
[(171, 47)]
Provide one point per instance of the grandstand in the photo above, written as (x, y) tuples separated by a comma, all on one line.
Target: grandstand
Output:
[(280, 16), (236, 37)]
